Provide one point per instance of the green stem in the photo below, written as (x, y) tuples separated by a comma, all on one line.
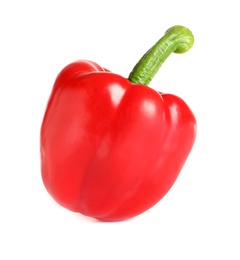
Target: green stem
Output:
[(177, 39)]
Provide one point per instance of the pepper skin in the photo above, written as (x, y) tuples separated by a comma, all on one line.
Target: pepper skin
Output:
[(111, 148)]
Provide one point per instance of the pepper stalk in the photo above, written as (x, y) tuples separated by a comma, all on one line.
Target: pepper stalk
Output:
[(177, 39)]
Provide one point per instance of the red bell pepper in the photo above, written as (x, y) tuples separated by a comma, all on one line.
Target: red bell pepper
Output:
[(112, 147)]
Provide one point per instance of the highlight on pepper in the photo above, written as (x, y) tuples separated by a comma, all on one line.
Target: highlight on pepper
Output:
[(112, 147)]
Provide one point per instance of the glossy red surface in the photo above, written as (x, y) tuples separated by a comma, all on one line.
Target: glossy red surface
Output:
[(111, 149)]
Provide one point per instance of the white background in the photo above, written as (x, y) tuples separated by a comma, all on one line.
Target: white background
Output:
[(199, 218)]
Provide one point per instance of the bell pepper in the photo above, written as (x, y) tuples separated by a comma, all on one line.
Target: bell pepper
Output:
[(112, 147)]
